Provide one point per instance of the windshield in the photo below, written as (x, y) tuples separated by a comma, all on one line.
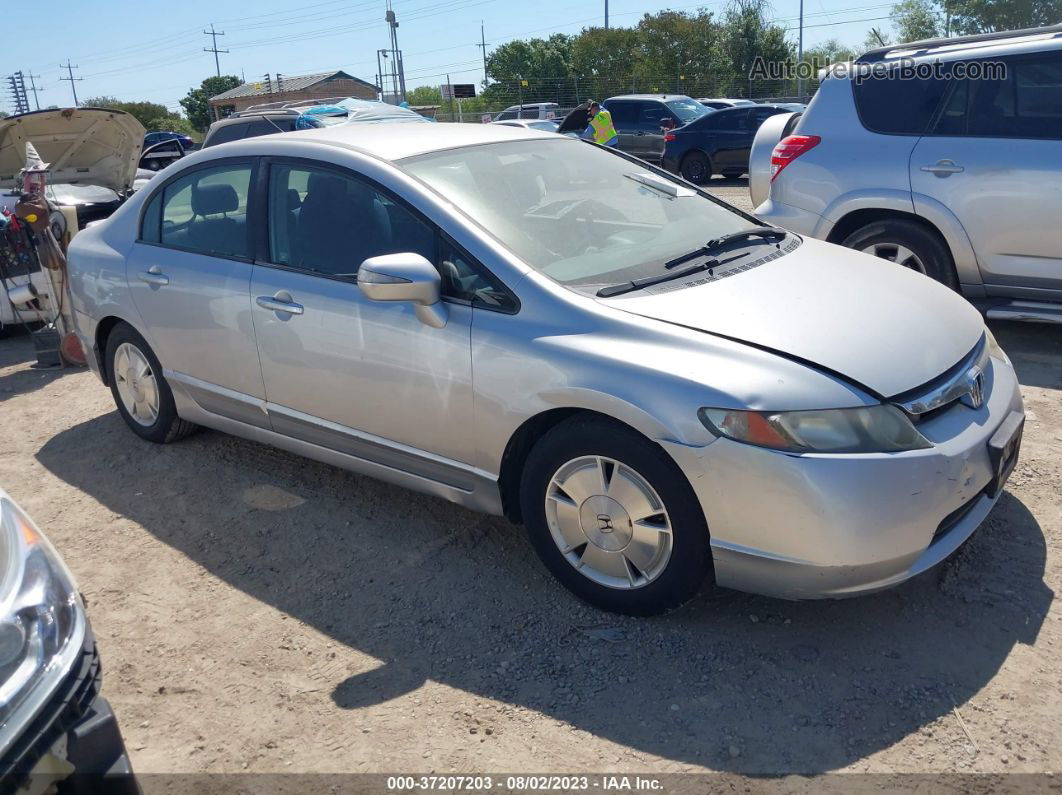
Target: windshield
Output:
[(687, 109), (576, 212)]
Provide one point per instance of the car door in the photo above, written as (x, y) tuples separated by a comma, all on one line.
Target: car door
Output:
[(724, 133), (365, 378), (624, 114), (189, 276), (650, 131), (994, 158)]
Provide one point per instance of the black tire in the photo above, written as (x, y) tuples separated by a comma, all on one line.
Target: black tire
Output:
[(696, 167), (168, 427), (690, 561), (925, 244)]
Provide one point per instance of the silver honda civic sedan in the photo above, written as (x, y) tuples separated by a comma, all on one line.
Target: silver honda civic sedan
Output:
[(659, 387)]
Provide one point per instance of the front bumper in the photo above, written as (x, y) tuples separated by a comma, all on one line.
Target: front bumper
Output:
[(826, 526), (75, 730)]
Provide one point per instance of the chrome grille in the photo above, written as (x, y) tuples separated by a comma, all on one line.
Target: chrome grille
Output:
[(964, 382)]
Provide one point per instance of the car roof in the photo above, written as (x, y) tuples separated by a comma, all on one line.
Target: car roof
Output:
[(658, 97), (962, 44), (397, 141)]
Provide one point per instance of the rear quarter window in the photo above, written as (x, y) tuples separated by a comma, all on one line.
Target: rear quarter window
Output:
[(891, 103)]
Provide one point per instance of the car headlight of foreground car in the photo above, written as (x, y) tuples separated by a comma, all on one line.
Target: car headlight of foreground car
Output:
[(994, 350), (868, 429), (42, 620)]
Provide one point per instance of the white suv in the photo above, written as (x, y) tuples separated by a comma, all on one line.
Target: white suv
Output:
[(532, 110), (944, 156)]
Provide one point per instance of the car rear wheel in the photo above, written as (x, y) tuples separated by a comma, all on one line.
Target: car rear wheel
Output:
[(909, 244), (141, 393), (613, 518), (696, 168)]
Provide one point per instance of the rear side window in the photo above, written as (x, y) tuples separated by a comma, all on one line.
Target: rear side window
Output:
[(1025, 103), (506, 114), (759, 116), (895, 104), (226, 133), (205, 211), (529, 113)]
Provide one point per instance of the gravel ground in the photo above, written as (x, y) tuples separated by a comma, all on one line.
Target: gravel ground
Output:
[(257, 611)]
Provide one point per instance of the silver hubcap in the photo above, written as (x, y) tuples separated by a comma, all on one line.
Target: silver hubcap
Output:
[(901, 255), (136, 384), (608, 522)]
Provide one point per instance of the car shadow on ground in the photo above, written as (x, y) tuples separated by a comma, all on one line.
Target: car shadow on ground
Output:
[(17, 349), (731, 681), (1034, 348)]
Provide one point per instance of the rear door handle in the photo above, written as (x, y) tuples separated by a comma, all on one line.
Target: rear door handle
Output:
[(943, 167), (278, 304), (154, 275)]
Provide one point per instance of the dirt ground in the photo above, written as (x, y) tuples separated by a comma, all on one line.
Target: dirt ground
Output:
[(257, 611)]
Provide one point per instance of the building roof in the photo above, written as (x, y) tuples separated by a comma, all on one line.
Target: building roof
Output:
[(263, 87)]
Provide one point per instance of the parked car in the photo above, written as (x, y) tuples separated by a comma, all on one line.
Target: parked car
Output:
[(529, 110), (57, 730), (531, 325), (955, 176), (642, 119), (545, 125), (250, 124), (718, 103), (92, 155), (158, 136), (718, 143), (157, 156)]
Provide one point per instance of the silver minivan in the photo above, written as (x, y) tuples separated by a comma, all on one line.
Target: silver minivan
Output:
[(944, 156)]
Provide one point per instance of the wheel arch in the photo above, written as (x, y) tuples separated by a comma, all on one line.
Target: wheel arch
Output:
[(523, 440), (104, 327)]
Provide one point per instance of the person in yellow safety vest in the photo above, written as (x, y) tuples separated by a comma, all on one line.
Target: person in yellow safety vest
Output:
[(600, 129)]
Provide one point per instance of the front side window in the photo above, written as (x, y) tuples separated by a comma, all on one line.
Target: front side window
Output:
[(652, 116), (579, 214), (625, 114), (204, 211), (329, 223)]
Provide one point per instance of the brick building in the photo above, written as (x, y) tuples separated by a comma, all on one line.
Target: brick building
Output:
[(291, 89)]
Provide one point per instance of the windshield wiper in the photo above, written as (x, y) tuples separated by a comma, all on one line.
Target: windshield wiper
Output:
[(647, 281), (715, 244)]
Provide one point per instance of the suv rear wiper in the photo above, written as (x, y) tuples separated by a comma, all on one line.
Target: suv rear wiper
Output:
[(647, 281), (717, 243)]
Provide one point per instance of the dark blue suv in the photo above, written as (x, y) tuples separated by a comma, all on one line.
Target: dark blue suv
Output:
[(167, 135)]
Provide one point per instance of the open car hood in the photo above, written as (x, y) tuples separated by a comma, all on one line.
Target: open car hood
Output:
[(83, 146), (879, 324)]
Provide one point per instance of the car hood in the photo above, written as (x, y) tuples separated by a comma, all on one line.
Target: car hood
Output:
[(882, 326), (83, 146)]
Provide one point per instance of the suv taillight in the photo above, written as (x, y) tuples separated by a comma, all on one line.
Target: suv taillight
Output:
[(670, 136), (789, 149)]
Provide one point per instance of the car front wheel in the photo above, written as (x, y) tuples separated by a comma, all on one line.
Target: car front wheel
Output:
[(613, 518), (141, 393)]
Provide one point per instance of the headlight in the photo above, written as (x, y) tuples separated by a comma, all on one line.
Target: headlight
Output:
[(994, 350), (42, 621), (872, 429)]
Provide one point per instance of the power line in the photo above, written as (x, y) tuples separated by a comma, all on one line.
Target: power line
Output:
[(214, 47), (71, 79)]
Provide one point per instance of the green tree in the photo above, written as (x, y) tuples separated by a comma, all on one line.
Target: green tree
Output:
[(830, 51), (603, 62), (917, 19), (196, 102), (424, 95), (747, 35), (675, 47), (143, 112), (544, 64)]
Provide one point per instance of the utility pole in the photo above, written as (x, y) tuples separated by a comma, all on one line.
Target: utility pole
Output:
[(18, 93), (483, 46), (400, 72), (71, 79), (606, 14), (213, 34), (34, 89), (800, 54)]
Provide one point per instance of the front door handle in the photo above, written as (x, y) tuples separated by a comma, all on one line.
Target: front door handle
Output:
[(155, 276), (278, 303), (943, 168)]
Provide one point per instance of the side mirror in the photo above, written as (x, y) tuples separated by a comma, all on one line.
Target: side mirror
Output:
[(405, 277)]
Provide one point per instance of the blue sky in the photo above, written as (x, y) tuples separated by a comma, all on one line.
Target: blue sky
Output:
[(154, 51)]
